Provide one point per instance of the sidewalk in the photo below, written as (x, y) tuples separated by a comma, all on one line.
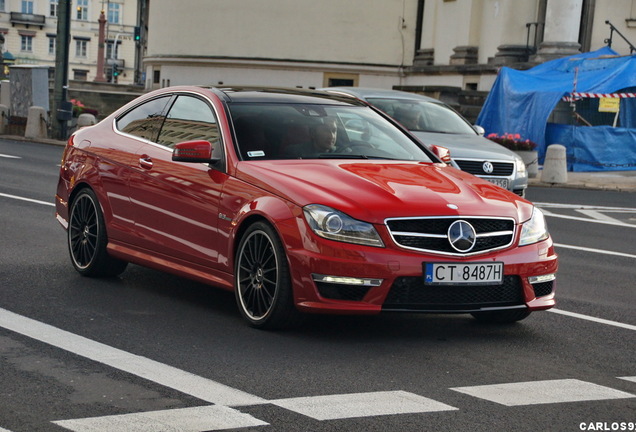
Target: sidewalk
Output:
[(622, 181)]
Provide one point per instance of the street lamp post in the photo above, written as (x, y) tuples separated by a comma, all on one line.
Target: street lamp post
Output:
[(62, 109)]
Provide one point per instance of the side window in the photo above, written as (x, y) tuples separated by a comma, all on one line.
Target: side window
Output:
[(145, 120), (190, 119)]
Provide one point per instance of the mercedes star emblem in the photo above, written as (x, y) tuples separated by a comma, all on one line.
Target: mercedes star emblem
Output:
[(462, 236)]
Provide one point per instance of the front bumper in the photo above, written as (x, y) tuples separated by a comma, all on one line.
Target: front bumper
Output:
[(342, 278)]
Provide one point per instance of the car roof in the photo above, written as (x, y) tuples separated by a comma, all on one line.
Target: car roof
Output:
[(282, 95), (366, 92)]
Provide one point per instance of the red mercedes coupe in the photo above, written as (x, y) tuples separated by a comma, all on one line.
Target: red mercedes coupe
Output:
[(298, 201)]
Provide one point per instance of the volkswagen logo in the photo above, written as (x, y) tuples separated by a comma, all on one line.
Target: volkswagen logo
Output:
[(462, 236), (488, 167)]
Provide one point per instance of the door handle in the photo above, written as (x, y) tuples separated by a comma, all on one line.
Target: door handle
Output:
[(145, 162)]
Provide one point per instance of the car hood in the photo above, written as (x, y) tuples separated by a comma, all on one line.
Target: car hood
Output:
[(464, 146), (375, 190)]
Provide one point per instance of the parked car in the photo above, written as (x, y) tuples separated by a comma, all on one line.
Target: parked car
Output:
[(231, 187), (435, 122)]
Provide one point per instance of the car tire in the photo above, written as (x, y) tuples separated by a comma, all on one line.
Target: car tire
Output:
[(262, 282), (87, 238), (501, 316)]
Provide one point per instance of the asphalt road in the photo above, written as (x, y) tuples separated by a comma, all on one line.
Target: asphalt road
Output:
[(149, 351)]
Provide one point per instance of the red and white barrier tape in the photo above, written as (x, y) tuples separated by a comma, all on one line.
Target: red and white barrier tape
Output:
[(576, 96)]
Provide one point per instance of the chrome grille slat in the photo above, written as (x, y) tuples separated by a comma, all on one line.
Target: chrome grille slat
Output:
[(429, 234)]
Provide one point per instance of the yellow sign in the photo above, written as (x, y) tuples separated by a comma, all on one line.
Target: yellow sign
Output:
[(611, 105)]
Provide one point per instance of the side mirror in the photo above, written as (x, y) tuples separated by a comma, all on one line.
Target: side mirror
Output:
[(442, 153), (193, 151), (480, 130)]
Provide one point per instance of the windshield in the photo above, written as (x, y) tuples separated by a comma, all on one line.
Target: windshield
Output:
[(423, 116), (266, 131)]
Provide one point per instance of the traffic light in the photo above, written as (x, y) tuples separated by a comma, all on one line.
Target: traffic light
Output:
[(116, 71), (137, 36)]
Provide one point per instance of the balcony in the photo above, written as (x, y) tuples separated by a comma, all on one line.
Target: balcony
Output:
[(27, 19)]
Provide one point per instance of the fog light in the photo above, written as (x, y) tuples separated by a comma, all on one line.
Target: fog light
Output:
[(541, 279), (346, 280)]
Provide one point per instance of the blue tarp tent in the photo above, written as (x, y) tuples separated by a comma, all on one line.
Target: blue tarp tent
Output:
[(522, 101)]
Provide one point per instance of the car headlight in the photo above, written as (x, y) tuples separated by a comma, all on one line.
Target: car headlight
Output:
[(335, 225), (534, 230), (521, 166)]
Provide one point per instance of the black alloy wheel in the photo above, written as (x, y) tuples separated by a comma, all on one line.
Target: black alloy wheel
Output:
[(87, 238), (262, 283)]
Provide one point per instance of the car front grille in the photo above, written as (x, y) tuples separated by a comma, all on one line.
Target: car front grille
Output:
[(430, 234), (410, 293), (502, 169)]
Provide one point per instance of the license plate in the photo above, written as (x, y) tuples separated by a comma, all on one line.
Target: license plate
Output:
[(490, 273), (498, 181)]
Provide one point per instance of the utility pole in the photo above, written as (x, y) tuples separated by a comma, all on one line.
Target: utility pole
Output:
[(62, 109)]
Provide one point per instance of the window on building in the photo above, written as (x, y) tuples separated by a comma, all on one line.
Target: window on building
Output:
[(27, 6), (110, 45), (82, 10), (26, 43), (2, 5), (53, 7), (80, 74), (52, 45), (114, 12), (81, 48), (338, 79)]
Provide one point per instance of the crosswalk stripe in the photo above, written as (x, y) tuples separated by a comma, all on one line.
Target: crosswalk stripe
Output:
[(168, 376), (196, 419), (543, 392), (361, 405)]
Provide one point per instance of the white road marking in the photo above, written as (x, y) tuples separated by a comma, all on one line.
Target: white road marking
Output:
[(27, 199), (9, 157), (600, 251), (361, 405), (221, 416), (593, 319), (582, 219), (543, 392), (4, 430), (632, 379), (168, 376), (595, 214), (585, 207), (197, 419)]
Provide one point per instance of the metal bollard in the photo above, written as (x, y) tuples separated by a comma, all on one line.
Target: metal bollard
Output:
[(555, 168)]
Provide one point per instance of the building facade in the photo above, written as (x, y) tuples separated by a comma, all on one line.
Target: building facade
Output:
[(29, 28), (370, 43)]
